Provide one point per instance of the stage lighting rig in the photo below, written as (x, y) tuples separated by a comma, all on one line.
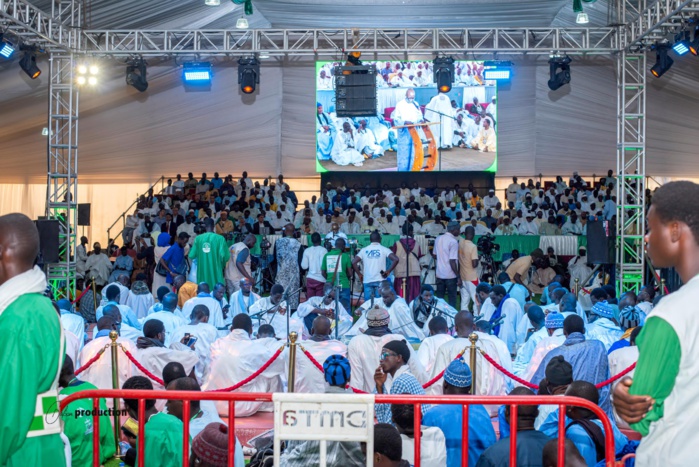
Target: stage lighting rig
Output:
[(443, 73), (86, 74), (136, 72), (499, 70), (7, 46), (28, 62), (663, 61), (197, 72), (248, 74), (559, 71), (681, 45)]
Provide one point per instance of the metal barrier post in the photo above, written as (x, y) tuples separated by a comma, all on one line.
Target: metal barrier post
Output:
[(292, 360), (113, 335), (94, 293), (577, 286), (662, 287), (473, 338)]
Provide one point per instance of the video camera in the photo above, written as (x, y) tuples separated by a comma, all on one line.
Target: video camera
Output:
[(486, 245)]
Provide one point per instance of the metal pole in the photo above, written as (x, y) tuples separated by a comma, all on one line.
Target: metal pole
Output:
[(473, 338), (292, 360), (662, 287), (338, 290), (94, 294), (577, 286), (113, 335)]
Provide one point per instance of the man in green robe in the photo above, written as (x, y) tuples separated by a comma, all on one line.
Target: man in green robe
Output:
[(31, 352), (163, 443), (78, 421), (211, 252)]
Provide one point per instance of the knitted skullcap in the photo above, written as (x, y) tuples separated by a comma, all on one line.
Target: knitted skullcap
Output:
[(629, 317), (211, 445), (603, 310), (377, 317), (554, 320), (458, 374)]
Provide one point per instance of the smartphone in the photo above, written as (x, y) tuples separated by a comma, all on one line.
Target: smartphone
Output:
[(190, 341)]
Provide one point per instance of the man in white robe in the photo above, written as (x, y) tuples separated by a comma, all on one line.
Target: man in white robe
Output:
[(325, 134), (98, 266), (427, 306), (323, 306), (153, 355), (402, 321), (439, 334), (321, 345), (168, 317), (113, 295), (364, 351), (536, 318), (485, 141), (346, 149), (500, 307), (272, 310), (490, 382), (241, 300), (605, 328), (578, 268), (81, 256), (121, 282), (100, 372), (72, 321), (407, 112), (555, 339), (204, 298), (236, 357), (367, 142), (325, 81), (205, 334), (440, 110), (140, 299)]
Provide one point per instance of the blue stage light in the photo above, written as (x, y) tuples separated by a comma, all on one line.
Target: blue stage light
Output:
[(197, 73), (497, 70), (6, 49), (681, 47)]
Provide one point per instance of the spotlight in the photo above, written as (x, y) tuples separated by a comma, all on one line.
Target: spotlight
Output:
[(242, 23), (136, 75), (443, 73), (197, 72), (497, 70), (694, 45), (28, 64), (212, 2), (6, 47), (353, 59), (248, 74), (582, 18), (559, 78), (663, 62), (86, 74), (681, 45)]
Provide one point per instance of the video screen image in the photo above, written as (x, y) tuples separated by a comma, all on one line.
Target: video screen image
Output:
[(416, 128)]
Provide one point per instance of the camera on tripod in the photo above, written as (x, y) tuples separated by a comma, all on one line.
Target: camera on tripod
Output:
[(486, 245)]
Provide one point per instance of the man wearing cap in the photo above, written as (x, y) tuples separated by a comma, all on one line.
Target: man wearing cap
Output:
[(490, 201), (630, 317), (446, 250), (365, 348), (448, 418), (393, 361), (506, 228), (535, 318), (603, 325), (504, 313), (528, 227), (587, 356), (98, 266), (578, 268), (554, 338), (325, 134), (572, 225), (210, 447)]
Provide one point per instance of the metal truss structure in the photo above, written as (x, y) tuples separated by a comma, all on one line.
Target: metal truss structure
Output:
[(641, 22), (321, 42)]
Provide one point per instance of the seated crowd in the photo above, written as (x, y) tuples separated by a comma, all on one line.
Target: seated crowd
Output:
[(203, 327)]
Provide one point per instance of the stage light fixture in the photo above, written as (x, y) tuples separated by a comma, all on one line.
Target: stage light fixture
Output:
[(443, 73), (28, 64), (197, 72), (136, 75), (7, 48), (663, 61), (582, 18), (212, 2), (242, 23), (498, 70), (694, 45), (248, 74), (681, 45), (86, 73), (559, 71)]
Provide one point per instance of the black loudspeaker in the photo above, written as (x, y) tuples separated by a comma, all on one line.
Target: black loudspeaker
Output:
[(84, 214), (355, 91), (601, 240), (48, 241)]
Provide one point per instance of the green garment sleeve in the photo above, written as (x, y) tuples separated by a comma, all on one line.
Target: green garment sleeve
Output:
[(194, 249), (657, 367)]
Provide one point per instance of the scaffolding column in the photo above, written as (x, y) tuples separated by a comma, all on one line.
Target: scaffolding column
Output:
[(631, 169)]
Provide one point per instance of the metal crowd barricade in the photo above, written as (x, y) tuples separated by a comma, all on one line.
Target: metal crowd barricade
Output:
[(417, 401)]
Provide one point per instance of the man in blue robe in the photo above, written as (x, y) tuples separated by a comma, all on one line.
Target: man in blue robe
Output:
[(325, 134), (448, 418), (588, 357)]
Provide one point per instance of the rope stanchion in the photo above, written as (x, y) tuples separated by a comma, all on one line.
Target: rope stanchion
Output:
[(91, 361), (252, 376), (81, 294), (143, 369), (502, 370), (317, 364), (617, 376), (441, 374)]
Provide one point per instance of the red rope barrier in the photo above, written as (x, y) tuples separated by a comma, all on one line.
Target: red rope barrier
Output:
[(252, 376), (142, 368), (507, 373), (439, 376), (617, 376), (81, 295), (91, 361), (320, 367)]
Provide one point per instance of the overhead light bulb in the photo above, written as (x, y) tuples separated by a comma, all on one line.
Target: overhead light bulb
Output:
[(91, 80), (82, 69), (582, 18), (94, 69), (212, 2), (242, 23), (81, 80)]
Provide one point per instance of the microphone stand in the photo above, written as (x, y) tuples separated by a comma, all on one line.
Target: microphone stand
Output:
[(285, 299), (441, 130), (338, 289)]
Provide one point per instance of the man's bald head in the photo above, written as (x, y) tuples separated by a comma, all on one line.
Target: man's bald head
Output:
[(203, 287), (463, 323), (321, 326), (19, 245)]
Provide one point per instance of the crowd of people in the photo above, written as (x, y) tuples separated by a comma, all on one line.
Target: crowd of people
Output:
[(212, 330)]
